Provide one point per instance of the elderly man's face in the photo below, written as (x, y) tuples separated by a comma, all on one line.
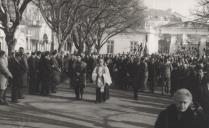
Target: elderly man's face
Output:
[(182, 103)]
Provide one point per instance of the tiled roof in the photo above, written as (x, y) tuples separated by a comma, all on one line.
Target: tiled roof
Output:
[(188, 24)]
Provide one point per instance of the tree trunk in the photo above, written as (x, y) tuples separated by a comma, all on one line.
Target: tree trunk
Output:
[(11, 42), (61, 47), (52, 43), (89, 49), (80, 48), (52, 46), (60, 42), (98, 50)]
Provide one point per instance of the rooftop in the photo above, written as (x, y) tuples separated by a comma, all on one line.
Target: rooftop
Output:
[(187, 24)]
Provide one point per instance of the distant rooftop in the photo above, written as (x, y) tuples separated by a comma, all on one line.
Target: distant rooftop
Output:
[(187, 24), (158, 12), (164, 13)]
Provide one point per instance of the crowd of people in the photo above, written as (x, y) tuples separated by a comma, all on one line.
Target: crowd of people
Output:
[(170, 72), (41, 72)]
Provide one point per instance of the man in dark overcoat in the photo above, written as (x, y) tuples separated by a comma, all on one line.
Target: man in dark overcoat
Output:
[(56, 72), (152, 74), (140, 80), (38, 81), (79, 77), (32, 73), (18, 70), (45, 73), (24, 77)]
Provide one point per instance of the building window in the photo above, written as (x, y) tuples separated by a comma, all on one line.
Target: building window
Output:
[(110, 46), (133, 46)]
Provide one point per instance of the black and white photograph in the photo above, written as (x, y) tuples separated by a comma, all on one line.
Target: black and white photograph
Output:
[(104, 63)]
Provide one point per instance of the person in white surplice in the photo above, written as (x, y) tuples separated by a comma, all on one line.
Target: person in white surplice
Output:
[(101, 77)]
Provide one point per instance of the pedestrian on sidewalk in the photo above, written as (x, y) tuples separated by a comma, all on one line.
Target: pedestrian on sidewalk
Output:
[(4, 76)]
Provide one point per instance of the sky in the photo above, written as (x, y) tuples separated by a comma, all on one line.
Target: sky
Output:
[(183, 7)]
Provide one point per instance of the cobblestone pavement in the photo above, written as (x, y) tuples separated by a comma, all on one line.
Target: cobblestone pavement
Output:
[(61, 110)]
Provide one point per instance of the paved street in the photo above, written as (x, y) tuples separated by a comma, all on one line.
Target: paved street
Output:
[(61, 110)]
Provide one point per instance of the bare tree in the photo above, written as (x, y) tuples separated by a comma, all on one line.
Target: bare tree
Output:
[(61, 16), (116, 16), (88, 16), (90, 22), (201, 12), (105, 19), (11, 12)]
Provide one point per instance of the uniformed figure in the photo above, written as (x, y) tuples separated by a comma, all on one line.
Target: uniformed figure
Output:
[(79, 77)]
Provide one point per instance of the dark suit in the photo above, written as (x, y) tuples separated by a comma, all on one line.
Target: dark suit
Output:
[(24, 76), (18, 71), (32, 75), (152, 75), (38, 82), (79, 78), (140, 80), (172, 118), (45, 74), (56, 72)]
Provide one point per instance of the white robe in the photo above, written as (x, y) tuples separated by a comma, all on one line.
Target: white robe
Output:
[(101, 77)]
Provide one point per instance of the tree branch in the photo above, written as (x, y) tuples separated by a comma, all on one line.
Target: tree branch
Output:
[(23, 6)]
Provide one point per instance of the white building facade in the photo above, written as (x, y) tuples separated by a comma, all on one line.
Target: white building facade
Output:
[(124, 43), (32, 34), (149, 35)]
